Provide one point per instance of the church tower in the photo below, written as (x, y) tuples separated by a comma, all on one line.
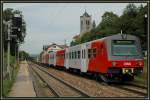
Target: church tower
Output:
[(85, 23)]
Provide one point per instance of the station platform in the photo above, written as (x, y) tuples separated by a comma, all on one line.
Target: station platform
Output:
[(23, 86)]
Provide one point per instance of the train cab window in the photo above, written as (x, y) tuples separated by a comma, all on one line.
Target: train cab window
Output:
[(78, 54), (89, 53), (124, 48), (94, 52)]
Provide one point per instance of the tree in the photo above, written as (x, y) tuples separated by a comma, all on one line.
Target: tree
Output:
[(7, 15), (23, 55), (109, 24), (132, 21), (94, 25), (130, 10)]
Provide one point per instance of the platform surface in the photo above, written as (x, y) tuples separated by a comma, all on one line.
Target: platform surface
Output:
[(23, 86)]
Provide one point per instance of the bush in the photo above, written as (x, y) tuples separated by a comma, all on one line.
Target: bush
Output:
[(7, 84)]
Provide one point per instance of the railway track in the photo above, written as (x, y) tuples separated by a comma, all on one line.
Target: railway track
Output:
[(76, 92), (134, 89), (131, 87)]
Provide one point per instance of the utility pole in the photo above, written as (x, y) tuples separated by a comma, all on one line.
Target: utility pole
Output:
[(10, 28), (8, 49), (18, 53)]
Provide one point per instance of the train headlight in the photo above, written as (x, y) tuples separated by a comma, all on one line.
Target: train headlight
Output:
[(113, 63)]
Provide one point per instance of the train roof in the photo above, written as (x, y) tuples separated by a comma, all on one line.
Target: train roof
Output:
[(128, 36), (125, 36)]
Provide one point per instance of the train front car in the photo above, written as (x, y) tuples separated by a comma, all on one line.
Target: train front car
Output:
[(125, 59)]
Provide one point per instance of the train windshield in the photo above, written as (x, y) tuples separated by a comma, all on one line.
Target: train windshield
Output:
[(124, 48)]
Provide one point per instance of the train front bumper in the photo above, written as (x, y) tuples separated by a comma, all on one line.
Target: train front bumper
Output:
[(135, 71)]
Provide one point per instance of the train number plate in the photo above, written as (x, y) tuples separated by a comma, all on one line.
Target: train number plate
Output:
[(127, 70)]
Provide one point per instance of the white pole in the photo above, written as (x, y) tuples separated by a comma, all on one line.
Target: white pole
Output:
[(121, 32), (18, 53), (8, 51)]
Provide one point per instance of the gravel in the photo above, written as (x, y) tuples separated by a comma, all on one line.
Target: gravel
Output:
[(92, 87)]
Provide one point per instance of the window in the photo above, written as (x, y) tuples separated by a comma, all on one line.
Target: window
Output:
[(66, 55), (78, 54), (81, 22), (87, 22), (94, 52), (75, 53), (124, 48), (84, 53), (102, 50), (89, 53), (72, 55)]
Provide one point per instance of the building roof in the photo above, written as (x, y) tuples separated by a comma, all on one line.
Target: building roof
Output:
[(54, 44), (76, 36), (86, 14)]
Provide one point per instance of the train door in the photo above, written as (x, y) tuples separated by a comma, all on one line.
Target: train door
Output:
[(83, 58), (66, 59), (54, 58)]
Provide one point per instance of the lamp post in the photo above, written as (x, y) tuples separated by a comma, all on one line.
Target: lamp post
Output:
[(145, 20), (145, 28)]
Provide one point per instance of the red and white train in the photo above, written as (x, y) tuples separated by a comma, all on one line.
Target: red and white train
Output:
[(113, 58)]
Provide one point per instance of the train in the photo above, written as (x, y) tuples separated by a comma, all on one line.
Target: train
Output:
[(117, 57)]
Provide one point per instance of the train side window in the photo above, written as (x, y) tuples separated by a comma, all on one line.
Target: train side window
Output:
[(70, 55), (78, 54), (75, 53), (94, 52), (74, 56), (84, 53), (81, 53), (66, 55), (102, 50), (89, 53)]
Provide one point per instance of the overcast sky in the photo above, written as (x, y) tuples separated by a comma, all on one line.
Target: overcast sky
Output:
[(57, 22)]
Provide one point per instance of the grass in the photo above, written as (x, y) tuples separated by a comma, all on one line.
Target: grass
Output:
[(142, 79), (7, 84)]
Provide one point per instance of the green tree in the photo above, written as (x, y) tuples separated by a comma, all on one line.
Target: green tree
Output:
[(23, 55), (132, 21), (109, 23), (7, 15)]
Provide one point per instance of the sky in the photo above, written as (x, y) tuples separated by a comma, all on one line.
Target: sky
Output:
[(56, 22)]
